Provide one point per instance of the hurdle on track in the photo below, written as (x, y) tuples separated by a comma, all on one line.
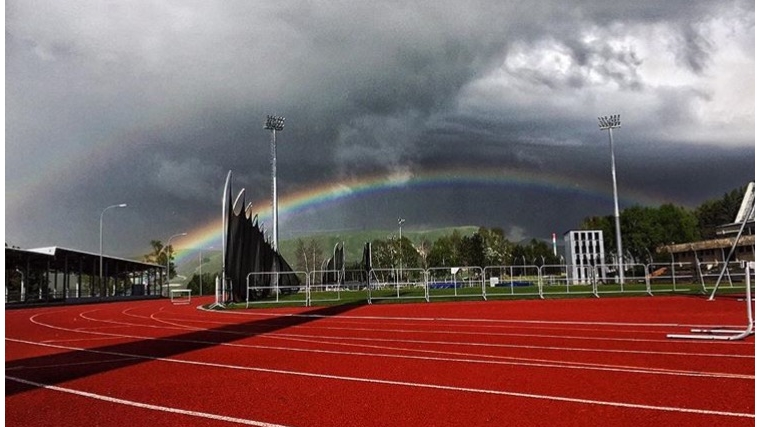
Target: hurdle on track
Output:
[(726, 334), (180, 296)]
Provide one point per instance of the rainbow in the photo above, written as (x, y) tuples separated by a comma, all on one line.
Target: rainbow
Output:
[(292, 204)]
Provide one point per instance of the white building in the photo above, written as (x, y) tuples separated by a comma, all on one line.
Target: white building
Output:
[(584, 255)]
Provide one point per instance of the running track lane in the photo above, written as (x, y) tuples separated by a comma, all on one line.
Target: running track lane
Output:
[(118, 364)]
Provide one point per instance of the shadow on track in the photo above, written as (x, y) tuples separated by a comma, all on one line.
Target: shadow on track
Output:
[(71, 365)]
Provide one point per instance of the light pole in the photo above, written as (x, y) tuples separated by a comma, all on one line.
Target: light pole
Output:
[(400, 257), (168, 242), (608, 123), (275, 124), (100, 273)]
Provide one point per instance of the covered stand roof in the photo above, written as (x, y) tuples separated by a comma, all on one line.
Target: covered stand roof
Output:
[(63, 259)]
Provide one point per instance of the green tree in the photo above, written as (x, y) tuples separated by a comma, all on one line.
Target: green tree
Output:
[(714, 213), (308, 255), (409, 257), (444, 252), (645, 228), (678, 223), (604, 223), (160, 255), (383, 253), (423, 250), (392, 253), (497, 248), (471, 250), (209, 284), (535, 252)]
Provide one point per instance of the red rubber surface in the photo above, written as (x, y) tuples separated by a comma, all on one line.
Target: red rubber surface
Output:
[(581, 362)]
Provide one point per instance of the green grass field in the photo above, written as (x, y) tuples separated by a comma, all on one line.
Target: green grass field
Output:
[(392, 294)]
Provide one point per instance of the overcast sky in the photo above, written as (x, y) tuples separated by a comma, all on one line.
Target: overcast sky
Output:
[(150, 103)]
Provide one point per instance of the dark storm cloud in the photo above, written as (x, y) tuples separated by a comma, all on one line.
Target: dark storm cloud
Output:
[(152, 102)]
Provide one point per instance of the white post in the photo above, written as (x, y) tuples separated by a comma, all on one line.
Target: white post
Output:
[(216, 290)]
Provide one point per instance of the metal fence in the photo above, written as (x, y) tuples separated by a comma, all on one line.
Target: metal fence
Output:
[(268, 283), (395, 283), (455, 282), (519, 281), (513, 280)]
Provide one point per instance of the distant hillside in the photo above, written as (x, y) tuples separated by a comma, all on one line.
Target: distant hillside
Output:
[(353, 243)]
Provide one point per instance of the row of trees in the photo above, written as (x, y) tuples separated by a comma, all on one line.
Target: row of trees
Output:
[(486, 247), (644, 229)]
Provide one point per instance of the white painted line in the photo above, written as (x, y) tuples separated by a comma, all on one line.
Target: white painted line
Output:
[(520, 346), (523, 362), (67, 365), (141, 405), (413, 385), (518, 361), (452, 319)]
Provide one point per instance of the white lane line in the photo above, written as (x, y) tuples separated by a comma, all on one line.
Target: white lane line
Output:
[(68, 365), (523, 361), (454, 319), (109, 338), (536, 363), (502, 324), (481, 358), (523, 346), (141, 405), (414, 385), (477, 344)]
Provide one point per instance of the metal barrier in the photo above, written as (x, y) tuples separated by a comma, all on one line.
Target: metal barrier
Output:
[(634, 280), (355, 280), (326, 285), (491, 281), (728, 334), (513, 280), (733, 276), (258, 283), (393, 283), (455, 282), (666, 277), (555, 280)]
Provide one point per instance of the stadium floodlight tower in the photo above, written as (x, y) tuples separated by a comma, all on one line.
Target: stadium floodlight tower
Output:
[(608, 123), (400, 255), (275, 124)]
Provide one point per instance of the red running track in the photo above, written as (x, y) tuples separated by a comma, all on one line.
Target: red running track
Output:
[(580, 362)]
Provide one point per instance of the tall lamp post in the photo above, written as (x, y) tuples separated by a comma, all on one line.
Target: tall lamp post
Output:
[(400, 256), (275, 124), (168, 243), (100, 273), (608, 123)]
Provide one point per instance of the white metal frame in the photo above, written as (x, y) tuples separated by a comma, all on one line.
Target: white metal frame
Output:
[(273, 277), (180, 296), (727, 334)]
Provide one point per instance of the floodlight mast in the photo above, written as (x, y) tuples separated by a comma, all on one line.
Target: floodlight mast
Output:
[(275, 124), (400, 255), (608, 123)]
